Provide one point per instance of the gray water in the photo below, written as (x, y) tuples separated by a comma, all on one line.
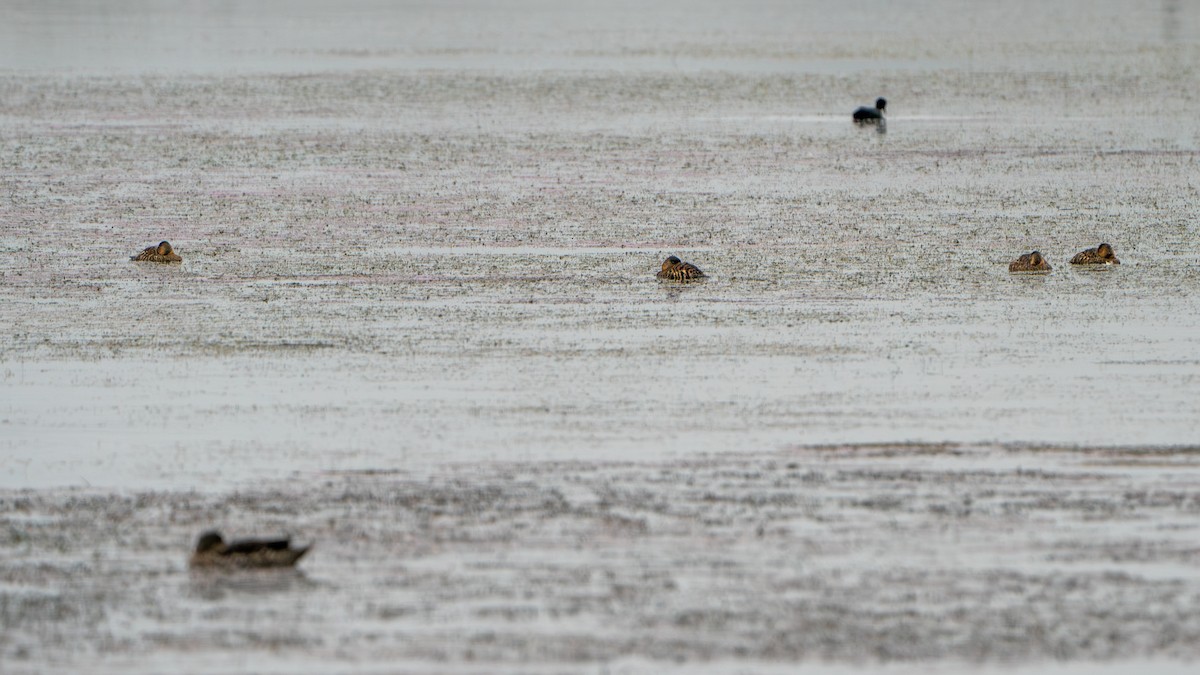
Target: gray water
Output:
[(419, 242)]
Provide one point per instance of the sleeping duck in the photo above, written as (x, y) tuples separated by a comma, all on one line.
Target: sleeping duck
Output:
[(1030, 262), (675, 269), (163, 253), (1101, 255)]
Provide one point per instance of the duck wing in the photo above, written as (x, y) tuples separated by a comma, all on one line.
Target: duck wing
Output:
[(246, 546)]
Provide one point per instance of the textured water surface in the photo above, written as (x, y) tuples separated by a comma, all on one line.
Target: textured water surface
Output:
[(852, 555), (417, 322)]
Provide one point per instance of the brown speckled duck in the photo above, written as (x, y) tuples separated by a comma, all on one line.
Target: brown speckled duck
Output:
[(675, 269), (163, 253), (1030, 262), (213, 552), (1101, 255)]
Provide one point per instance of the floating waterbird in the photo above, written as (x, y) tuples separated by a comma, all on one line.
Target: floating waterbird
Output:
[(675, 269), (1101, 255), (1030, 262), (865, 115), (163, 253), (212, 551)]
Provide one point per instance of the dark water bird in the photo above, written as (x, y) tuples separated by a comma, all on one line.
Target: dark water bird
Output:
[(163, 253), (865, 115), (1030, 262), (1101, 255), (213, 552), (675, 269)]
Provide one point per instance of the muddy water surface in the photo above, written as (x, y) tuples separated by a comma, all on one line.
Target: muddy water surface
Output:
[(417, 322)]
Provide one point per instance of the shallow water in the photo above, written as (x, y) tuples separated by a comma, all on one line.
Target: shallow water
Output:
[(422, 239), (843, 557)]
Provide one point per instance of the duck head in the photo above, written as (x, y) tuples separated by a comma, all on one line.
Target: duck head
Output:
[(209, 541)]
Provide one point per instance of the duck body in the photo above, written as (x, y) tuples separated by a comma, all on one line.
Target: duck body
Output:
[(1101, 255), (213, 552), (1030, 262), (163, 253), (865, 115), (674, 269)]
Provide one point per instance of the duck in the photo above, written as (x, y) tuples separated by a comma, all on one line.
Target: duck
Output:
[(1030, 262), (865, 115), (163, 253), (1101, 255), (675, 269), (213, 552)]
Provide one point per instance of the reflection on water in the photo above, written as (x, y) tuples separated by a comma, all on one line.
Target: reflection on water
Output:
[(674, 290), (218, 584), (405, 279), (1171, 19)]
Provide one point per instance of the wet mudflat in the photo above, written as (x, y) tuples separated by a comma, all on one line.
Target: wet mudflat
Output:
[(416, 322)]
